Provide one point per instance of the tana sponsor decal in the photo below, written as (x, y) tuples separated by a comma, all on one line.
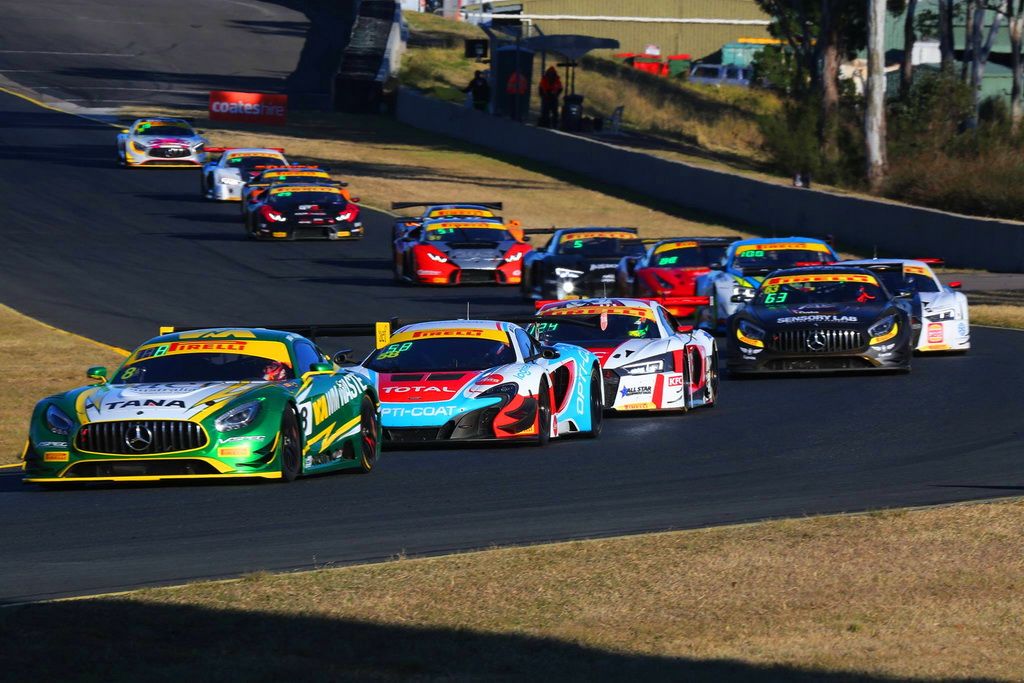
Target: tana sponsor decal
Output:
[(818, 319), (452, 333), (822, 277), (271, 350), (229, 105)]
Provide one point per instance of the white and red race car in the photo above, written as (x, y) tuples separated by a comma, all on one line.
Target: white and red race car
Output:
[(649, 360), (945, 323)]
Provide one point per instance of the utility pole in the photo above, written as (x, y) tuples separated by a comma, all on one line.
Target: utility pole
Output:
[(874, 118)]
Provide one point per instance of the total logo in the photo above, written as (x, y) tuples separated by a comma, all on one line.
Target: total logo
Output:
[(417, 390)]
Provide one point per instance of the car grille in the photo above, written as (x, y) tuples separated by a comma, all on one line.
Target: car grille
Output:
[(476, 277), (817, 340), (169, 153), (141, 437), (598, 282), (413, 435)]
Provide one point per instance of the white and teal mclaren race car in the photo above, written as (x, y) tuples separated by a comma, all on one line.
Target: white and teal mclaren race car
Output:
[(469, 380)]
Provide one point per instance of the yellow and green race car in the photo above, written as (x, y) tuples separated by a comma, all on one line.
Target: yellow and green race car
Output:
[(208, 403)]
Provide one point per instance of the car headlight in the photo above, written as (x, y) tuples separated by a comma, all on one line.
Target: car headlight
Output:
[(750, 334), (230, 181), (507, 391), (568, 287), (940, 314), (645, 368), (567, 273), (237, 418), (884, 330), (437, 257), (199, 148), (57, 421), (743, 290)]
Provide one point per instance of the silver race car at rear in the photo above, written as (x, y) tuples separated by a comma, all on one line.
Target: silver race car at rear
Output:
[(161, 142)]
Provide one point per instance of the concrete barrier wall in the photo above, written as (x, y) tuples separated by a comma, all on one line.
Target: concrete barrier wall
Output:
[(895, 229)]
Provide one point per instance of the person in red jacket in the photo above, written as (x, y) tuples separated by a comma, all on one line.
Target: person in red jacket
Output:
[(550, 90)]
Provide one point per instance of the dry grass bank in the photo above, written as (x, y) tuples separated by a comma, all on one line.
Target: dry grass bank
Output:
[(38, 360), (925, 594), (997, 315)]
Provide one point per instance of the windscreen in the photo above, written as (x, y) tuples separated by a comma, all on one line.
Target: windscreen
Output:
[(467, 232), (205, 361), (898, 279), (686, 255), (777, 256), (820, 289), (286, 199), (441, 354), (600, 244), (247, 164), (177, 130), (588, 329)]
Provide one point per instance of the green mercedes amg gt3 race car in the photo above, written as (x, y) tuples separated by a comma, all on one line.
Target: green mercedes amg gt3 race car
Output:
[(208, 403)]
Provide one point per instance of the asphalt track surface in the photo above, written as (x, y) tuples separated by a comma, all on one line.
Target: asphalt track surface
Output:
[(109, 53), (112, 254)]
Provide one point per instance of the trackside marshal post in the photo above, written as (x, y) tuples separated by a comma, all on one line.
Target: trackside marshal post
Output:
[(253, 107)]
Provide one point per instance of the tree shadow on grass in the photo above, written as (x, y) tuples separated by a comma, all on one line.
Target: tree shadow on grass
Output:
[(116, 640)]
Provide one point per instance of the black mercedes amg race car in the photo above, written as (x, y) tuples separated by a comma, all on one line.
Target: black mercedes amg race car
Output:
[(822, 319)]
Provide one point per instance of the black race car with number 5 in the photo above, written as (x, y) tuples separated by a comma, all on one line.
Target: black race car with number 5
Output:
[(829, 318), (577, 262)]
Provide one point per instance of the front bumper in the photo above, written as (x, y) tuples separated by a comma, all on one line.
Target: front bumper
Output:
[(893, 355), (345, 230), (944, 335), (219, 460), (148, 160), (656, 391), (224, 193), (453, 274), (497, 421)]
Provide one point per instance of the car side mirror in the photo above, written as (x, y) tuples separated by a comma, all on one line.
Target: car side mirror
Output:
[(125, 131), (526, 238), (321, 367), (549, 353), (342, 357), (905, 294), (356, 200), (98, 373), (956, 284), (738, 299)]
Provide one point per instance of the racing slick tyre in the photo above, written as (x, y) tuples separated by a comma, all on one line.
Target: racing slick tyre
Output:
[(596, 405), (711, 391), (369, 435), (291, 446), (543, 415)]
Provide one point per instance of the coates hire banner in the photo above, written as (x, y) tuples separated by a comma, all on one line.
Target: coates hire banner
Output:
[(254, 107)]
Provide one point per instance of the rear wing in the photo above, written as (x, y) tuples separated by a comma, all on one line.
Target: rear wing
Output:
[(931, 261), (413, 205), (717, 239)]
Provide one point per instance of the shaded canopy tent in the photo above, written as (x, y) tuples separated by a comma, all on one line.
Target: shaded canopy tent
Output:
[(572, 47)]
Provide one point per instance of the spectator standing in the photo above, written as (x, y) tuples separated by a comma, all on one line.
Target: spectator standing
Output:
[(480, 91), (516, 87), (550, 90)]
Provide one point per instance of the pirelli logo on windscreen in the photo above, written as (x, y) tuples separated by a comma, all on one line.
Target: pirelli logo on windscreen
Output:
[(452, 333), (784, 246), (312, 188), (916, 270), (635, 312), (479, 213), (671, 246), (823, 277)]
